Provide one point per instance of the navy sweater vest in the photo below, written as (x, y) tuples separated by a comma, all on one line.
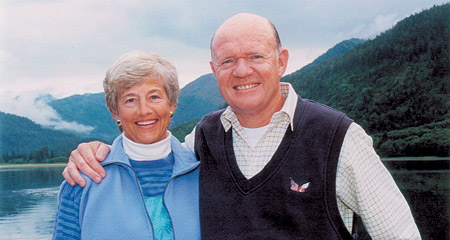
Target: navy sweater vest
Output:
[(273, 204)]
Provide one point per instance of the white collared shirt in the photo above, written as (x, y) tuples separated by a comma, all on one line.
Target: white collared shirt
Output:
[(363, 184)]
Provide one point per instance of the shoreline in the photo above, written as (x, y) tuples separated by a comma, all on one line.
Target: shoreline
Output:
[(386, 159), (383, 159), (37, 165)]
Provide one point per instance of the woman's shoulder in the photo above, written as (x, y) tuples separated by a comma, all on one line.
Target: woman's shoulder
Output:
[(70, 193)]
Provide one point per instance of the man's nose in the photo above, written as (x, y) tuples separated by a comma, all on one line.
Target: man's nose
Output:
[(242, 68)]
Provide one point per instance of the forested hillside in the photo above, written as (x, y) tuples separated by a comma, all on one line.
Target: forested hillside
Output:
[(336, 51), (396, 86), (197, 99), (21, 139), (90, 110)]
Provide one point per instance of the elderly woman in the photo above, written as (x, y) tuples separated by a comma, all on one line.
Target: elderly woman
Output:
[(151, 188)]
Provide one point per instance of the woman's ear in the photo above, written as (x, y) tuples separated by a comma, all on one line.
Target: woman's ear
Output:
[(172, 109), (115, 116)]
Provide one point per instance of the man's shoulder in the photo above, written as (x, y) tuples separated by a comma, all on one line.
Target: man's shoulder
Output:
[(214, 114)]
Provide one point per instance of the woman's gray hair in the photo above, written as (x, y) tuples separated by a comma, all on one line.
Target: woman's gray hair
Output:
[(136, 67)]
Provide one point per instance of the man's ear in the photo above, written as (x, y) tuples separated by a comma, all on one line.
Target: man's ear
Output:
[(211, 64), (283, 58)]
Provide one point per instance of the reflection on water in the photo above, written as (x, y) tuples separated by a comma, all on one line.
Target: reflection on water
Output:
[(28, 202), (28, 199), (428, 193)]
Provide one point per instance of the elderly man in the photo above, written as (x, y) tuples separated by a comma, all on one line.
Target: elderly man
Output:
[(273, 165)]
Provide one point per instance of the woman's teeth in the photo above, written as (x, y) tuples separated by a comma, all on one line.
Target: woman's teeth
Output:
[(146, 122)]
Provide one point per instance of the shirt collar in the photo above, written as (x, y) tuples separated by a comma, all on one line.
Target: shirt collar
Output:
[(146, 152), (229, 118)]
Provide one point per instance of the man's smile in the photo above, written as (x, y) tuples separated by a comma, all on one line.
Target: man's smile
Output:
[(245, 87)]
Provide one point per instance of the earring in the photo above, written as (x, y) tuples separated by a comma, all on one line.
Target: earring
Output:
[(171, 114), (119, 123)]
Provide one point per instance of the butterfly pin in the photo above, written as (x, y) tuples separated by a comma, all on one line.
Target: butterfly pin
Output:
[(297, 188)]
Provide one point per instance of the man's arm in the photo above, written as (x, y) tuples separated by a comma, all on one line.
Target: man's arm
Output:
[(86, 158), (366, 187), (189, 141)]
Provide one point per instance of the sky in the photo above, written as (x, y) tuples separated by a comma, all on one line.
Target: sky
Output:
[(65, 47)]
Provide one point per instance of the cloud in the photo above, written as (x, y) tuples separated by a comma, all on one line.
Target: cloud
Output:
[(33, 105), (374, 28), (67, 46), (299, 57)]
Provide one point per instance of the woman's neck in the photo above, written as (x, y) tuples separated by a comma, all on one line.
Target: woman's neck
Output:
[(146, 152)]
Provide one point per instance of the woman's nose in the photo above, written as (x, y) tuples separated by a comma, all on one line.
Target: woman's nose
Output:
[(145, 108)]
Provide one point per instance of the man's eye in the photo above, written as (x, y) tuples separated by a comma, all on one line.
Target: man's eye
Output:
[(256, 57), (228, 62)]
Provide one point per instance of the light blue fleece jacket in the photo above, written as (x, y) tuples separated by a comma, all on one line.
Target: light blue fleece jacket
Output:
[(115, 208)]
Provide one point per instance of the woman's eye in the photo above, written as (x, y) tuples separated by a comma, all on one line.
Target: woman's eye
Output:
[(154, 97), (131, 100)]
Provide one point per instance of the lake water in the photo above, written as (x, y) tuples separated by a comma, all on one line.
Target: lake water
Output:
[(28, 202), (28, 198)]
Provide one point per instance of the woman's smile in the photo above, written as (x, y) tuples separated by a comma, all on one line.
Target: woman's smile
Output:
[(146, 123)]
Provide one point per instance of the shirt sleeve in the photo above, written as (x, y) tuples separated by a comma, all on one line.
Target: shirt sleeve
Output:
[(189, 141), (67, 224), (365, 186)]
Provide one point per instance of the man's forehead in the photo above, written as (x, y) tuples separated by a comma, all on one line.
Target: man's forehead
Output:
[(242, 29), (244, 23)]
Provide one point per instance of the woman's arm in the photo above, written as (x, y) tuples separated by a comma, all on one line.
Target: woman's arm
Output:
[(67, 224)]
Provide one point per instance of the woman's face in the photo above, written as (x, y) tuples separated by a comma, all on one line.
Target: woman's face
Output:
[(144, 111)]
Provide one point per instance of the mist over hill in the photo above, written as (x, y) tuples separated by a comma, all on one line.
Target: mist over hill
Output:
[(21, 136), (90, 110)]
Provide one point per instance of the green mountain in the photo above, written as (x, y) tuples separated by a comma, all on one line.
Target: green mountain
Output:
[(198, 98), (396, 86), (184, 129), (90, 110), (22, 136), (336, 51)]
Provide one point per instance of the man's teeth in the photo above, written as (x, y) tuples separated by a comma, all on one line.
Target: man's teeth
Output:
[(244, 87), (146, 122)]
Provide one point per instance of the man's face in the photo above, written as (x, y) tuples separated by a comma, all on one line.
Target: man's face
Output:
[(248, 68)]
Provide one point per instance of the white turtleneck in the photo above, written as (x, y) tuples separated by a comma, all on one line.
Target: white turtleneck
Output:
[(146, 152)]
